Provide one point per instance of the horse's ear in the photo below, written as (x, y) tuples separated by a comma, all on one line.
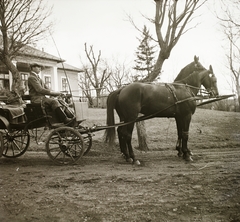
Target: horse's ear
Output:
[(211, 69), (196, 59)]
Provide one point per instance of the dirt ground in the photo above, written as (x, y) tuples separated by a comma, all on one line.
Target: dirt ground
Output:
[(102, 187)]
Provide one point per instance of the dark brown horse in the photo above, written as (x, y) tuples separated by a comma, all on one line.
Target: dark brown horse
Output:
[(190, 68), (175, 100)]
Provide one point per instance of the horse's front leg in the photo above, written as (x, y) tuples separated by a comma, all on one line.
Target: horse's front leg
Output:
[(185, 134), (179, 140), (179, 147)]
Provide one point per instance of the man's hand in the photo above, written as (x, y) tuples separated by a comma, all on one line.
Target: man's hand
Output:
[(55, 93)]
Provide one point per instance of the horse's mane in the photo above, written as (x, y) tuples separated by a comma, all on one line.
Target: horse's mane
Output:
[(192, 75), (185, 80), (182, 74)]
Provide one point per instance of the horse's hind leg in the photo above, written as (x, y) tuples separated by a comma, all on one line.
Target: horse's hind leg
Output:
[(179, 141), (129, 143), (122, 142)]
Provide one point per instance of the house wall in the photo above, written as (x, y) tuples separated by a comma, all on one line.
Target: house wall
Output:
[(50, 71), (73, 81)]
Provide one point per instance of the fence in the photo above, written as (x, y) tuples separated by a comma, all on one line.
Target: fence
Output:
[(97, 102)]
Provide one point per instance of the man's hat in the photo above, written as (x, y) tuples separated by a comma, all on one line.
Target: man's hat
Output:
[(36, 65)]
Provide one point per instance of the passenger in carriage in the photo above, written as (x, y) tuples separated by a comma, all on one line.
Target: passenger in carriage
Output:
[(38, 92)]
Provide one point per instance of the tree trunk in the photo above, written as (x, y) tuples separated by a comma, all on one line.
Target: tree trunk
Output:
[(142, 136), (141, 129), (238, 98), (98, 92), (17, 86)]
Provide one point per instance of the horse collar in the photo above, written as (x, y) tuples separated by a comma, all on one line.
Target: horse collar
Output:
[(171, 88)]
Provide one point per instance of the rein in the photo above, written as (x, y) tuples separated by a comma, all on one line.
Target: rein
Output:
[(193, 87), (141, 118), (169, 86), (95, 128), (205, 91)]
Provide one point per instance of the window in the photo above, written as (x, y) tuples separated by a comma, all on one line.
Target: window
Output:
[(24, 77), (4, 81), (64, 85), (47, 80)]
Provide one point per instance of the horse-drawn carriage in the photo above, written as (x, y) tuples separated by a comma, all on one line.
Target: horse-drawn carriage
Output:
[(64, 144), (67, 144)]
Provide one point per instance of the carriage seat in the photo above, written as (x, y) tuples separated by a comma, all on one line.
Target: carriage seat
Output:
[(34, 110), (37, 111), (14, 114)]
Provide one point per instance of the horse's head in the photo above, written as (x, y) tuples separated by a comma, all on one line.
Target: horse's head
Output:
[(189, 69), (197, 65), (210, 82)]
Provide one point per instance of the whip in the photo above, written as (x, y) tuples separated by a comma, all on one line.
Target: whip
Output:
[(63, 69)]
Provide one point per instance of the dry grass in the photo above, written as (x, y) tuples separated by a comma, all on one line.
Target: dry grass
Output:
[(208, 127)]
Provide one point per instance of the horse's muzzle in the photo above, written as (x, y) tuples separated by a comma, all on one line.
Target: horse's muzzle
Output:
[(213, 92)]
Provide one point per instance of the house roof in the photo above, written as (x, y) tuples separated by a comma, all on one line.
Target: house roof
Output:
[(30, 51), (33, 52), (66, 66)]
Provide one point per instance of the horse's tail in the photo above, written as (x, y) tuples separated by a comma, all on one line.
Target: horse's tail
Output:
[(110, 133)]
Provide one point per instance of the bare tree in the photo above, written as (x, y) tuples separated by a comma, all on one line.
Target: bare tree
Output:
[(234, 61), (96, 75), (120, 75), (22, 23), (171, 20), (230, 21), (85, 85)]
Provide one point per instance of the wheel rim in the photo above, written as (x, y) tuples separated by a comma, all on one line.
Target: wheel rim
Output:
[(65, 146), (15, 143), (88, 143)]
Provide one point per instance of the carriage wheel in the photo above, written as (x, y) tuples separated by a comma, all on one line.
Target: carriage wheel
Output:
[(14, 143), (65, 145), (87, 142)]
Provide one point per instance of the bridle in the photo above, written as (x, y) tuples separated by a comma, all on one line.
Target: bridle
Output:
[(208, 91)]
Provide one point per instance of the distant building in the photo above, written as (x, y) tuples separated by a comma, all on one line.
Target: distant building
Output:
[(54, 73)]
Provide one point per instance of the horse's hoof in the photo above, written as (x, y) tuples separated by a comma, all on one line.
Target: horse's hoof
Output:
[(137, 163), (188, 158), (130, 160), (180, 154)]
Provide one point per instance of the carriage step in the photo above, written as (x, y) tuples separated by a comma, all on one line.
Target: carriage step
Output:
[(57, 125)]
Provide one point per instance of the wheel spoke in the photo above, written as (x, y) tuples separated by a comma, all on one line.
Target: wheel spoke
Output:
[(15, 143), (54, 157), (64, 145)]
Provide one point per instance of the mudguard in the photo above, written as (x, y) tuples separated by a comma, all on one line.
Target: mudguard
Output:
[(4, 123)]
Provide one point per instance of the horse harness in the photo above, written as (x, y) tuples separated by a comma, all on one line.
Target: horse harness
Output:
[(171, 89)]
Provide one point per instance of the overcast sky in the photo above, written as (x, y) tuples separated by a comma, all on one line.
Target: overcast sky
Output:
[(104, 24)]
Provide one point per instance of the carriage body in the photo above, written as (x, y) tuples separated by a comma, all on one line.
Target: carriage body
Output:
[(64, 144)]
